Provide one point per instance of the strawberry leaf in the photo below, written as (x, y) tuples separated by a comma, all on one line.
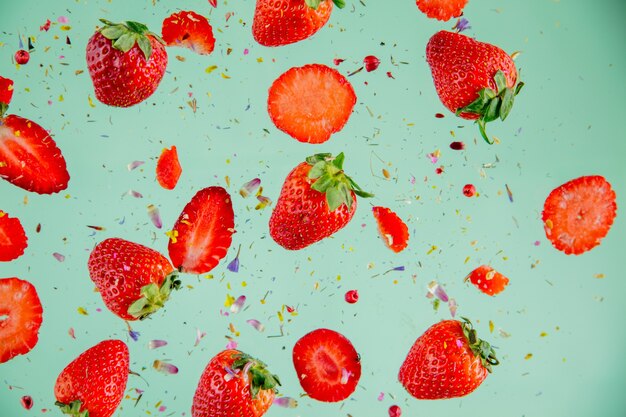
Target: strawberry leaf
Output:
[(507, 103), (72, 409), (478, 346), (260, 377), (317, 170), (154, 297), (137, 27), (113, 32), (338, 161), (340, 3), (500, 80), (314, 159), (145, 46), (313, 4), (125, 42)]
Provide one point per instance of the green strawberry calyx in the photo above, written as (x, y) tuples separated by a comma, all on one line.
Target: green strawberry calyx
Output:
[(73, 409), (333, 181), (259, 376), (491, 105), (314, 3), (124, 36), (3, 109), (154, 297), (478, 346)]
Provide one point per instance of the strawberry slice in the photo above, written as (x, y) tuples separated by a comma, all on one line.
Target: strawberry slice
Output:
[(328, 366), (22, 312), (13, 239), (488, 280), (6, 91), (441, 9), (203, 232), (392, 229), (578, 214), (189, 30), (168, 168), (311, 103), (29, 158)]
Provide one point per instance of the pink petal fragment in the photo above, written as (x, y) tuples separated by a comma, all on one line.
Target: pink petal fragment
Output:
[(453, 306), (154, 344), (381, 396), (155, 216), (166, 368), (232, 344), (256, 324), (199, 336), (134, 165), (286, 402), (63, 19), (250, 187), (238, 304), (58, 256)]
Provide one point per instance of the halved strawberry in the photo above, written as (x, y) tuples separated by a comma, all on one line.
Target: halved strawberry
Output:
[(13, 239), (393, 230), (311, 103), (188, 29), (29, 157), (6, 91), (578, 214), (168, 168), (22, 312), (203, 232), (488, 280), (328, 366), (441, 9)]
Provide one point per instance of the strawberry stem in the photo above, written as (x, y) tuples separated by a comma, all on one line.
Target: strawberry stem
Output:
[(333, 181), (491, 105), (72, 409), (260, 377), (478, 346), (153, 297), (124, 36)]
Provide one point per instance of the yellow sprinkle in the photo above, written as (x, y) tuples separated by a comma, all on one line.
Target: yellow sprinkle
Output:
[(66, 27), (180, 58), (549, 224), (316, 286), (280, 316), (82, 311), (67, 196), (490, 326), (225, 76), (187, 222), (528, 356), (90, 102), (432, 249), (210, 69), (386, 173), (395, 281), (543, 334), (445, 345), (259, 59), (244, 284), (338, 277), (599, 276), (228, 286), (227, 179), (209, 276), (229, 300), (466, 260), (228, 161), (61, 97), (157, 404), (173, 235)]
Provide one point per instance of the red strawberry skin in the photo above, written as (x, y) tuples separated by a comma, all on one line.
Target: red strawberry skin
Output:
[(579, 214), (13, 240), (120, 269), (168, 169), (29, 157), (190, 30), (301, 216), (310, 103), (462, 66), (97, 378), (488, 280), (441, 364), (281, 22), (393, 231), (19, 331), (203, 232), (123, 79), (327, 365), (6, 90), (220, 395), (441, 9)]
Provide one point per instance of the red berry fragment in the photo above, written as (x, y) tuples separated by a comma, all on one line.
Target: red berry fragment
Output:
[(371, 63), (168, 168), (441, 9), (6, 90), (488, 280), (22, 57), (469, 190), (393, 231), (395, 411), (27, 402), (190, 30), (457, 146), (352, 296)]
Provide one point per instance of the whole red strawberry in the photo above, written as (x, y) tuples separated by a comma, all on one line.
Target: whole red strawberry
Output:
[(29, 157), (133, 280), (281, 22), (93, 384), (317, 200), (447, 361), (473, 79), (234, 384), (126, 63)]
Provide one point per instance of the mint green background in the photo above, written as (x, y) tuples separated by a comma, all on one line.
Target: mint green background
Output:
[(567, 122)]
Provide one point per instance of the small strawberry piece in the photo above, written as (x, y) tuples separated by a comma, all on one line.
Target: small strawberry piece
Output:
[(395, 411), (234, 384), (392, 229), (578, 214), (311, 103), (126, 63), (475, 80), (203, 232), (441, 9), (447, 361), (213, 3), (93, 384), (189, 30), (6, 92), (133, 280), (327, 365), (371, 63), (281, 22), (168, 169), (488, 280), (13, 240), (22, 57), (352, 296), (20, 317), (317, 200), (29, 157), (469, 190)]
